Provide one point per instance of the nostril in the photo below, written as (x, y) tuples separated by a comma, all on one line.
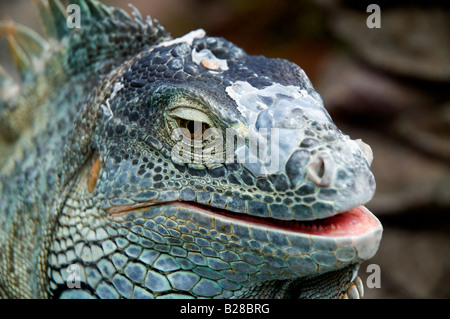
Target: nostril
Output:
[(320, 169)]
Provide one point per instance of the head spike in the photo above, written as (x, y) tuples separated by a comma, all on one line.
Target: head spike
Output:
[(20, 58), (135, 12), (8, 87), (59, 17), (103, 29), (46, 18), (54, 18), (27, 48), (97, 9), (84, 8), (11, 117), (30, 40), (95, 46)]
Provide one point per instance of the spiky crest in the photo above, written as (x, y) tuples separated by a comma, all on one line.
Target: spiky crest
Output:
[(107, 37)]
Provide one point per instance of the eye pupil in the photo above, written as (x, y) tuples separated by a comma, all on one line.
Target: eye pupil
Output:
[(195, 128), (191, 127)]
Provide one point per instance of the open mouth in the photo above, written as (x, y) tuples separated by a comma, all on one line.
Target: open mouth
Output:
[(353, 222)]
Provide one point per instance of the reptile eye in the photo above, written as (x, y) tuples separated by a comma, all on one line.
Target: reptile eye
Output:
[(192, 122), (195, 129)]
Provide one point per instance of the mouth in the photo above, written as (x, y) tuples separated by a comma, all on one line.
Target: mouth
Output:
[(321, 256), (354, 222)]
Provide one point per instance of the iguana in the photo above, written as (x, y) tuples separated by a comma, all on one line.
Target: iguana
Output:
[(133, 166)]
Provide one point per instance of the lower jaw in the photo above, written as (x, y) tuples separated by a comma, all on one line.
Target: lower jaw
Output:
[(356, 230), (359, 230)]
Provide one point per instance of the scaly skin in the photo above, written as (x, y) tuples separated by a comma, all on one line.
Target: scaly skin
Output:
[(101, 180)]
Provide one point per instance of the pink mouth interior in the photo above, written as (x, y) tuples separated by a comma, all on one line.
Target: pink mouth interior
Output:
[(355, 221)]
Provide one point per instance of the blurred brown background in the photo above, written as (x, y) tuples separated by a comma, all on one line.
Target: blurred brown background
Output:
[(389, 86)]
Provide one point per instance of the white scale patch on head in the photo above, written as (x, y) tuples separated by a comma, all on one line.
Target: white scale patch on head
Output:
[(117, 87), (187, 38), (276, 113), (204, 57), (107, 108), (251, 101)]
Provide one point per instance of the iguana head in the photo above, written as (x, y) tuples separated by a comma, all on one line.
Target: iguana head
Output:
[(186, 188), (251, 124), (196, 170)]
